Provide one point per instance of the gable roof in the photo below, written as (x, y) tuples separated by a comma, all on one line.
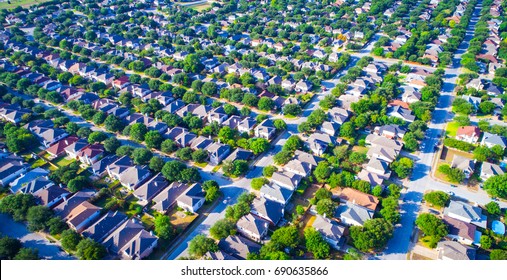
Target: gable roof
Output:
[(357, 197), (253, 224), (151, 188), (167, 197), (354, 212), (99, 230), (131, 239), (238, 246), (267, 209), (328, 228)]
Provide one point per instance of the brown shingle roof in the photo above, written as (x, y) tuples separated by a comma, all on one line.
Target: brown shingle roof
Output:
[(359, 198)]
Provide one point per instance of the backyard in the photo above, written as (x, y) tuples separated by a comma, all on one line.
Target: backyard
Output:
[(23, 3)]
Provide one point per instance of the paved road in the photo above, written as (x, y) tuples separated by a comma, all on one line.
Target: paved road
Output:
[(29, 239), (421, 180)]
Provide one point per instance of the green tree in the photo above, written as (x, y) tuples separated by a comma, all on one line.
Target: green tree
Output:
[(96, 137), (431, 226), (486, 242), (69, 240), (211, 189), (200, 245), (268, 171), (258, 145), (163, 227), (111, 144), (316, 244), (17, 205), (403, 167), (437, 198), (286, 237), (373, 235), (326, 207), (141, 156), (153, 139), (38, 217), (9, 247), (322, 171), (266, 104), (172, 170), (184, 153), (27, 254), (498, 254), (56, 225), (222, 228), (156, 164), (257, 183), (493, 208), (496, 186), (87, 249), (168, 146), (138, 131)]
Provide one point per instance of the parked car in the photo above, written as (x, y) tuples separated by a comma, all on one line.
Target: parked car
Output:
[(450, 193), (454, 186)]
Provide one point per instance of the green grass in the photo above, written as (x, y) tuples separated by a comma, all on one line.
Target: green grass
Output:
[(38, 163), (23, 3), (201, 165), (452, 129), (63, 161)]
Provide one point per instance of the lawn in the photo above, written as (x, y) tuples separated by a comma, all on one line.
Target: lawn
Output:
[(425, 241), (201, 7), (201, 165), (449, 154), (148, 221), (39, 163), (62, 161), (180, 220), (452, 129), (23, 3), (360, 149)]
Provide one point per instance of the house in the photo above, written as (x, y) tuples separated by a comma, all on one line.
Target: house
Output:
[(247, 124), (469, 134), (460, 231), (13, 113), (383, 153), (69, 203), (217, 152), (295, 166), (410, 95), (475, 84), (464, 164), (166, 199), (91, 154), (451, 250), (218, 256), (100, 167), (354, 196), (51, 195), (81, 216), (318, 142), (268, 210), (119, 166), (265, 130), (379, 167), (490, 140), (352, 214), (36, 184), (31, 175), (332, 232), (48, 135), (10, 168), (73, 149), (489, 170), (287, 180), (239, 154), (391, 131), (252, 227), (466, 213), (150, 189), (58, 148), (303, 86), (372, 178), (104, 226), (400, 112), (276, 193), (475, 101), (131, 241), (192, 199), (330, 128), (238, 246), (134, 176)]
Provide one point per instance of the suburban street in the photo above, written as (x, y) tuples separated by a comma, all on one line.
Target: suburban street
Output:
[(421, 180), (47, 250)]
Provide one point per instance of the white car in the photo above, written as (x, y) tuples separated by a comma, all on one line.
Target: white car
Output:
[(450, 193)]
